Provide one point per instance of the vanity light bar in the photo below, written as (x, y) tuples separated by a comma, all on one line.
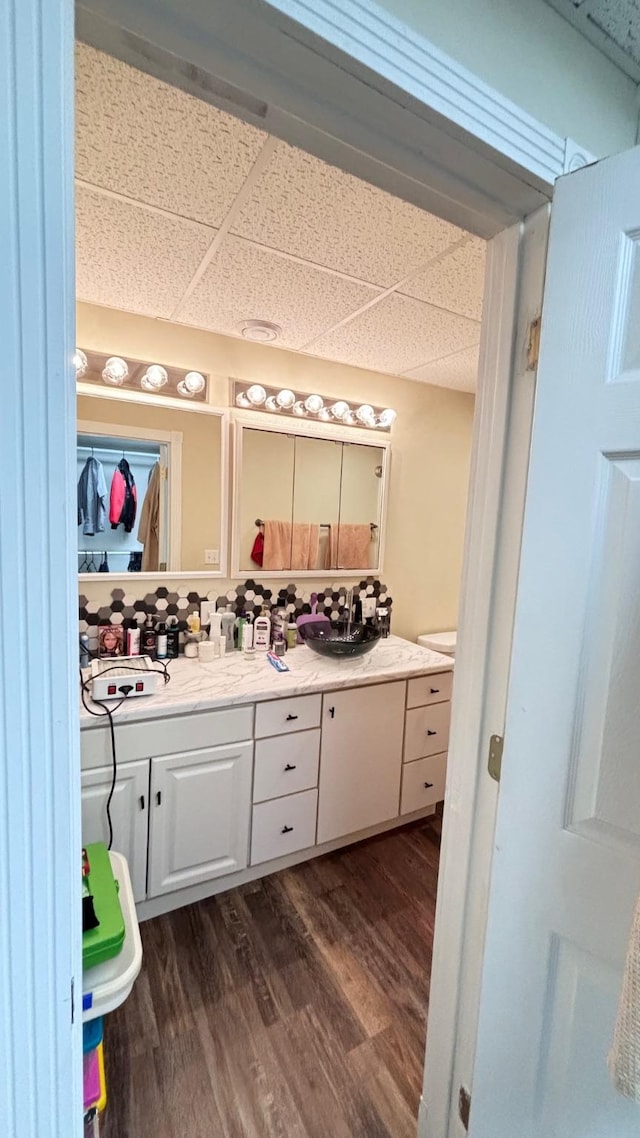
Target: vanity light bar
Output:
[(274, 400), (154, 378)]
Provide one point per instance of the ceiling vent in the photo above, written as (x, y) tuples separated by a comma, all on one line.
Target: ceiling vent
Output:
[(260, 331)]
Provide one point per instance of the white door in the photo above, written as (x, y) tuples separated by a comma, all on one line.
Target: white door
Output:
[(200, 810), (129, 815), (566, 868), (360, 758)]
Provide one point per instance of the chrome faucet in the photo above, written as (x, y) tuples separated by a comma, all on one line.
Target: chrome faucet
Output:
[(349, 606)]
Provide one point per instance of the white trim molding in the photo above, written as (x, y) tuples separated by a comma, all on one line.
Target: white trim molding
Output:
[(40, 927)]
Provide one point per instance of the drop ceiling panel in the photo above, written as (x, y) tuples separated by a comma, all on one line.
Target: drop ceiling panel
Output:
[(303, 206), (245, 283), (397, 334), (131, 258), (459, 371), (455, 282), (152, 142), (620, 20)]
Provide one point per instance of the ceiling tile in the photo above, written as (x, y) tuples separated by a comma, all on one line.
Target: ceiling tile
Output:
[(154, 143), (306, 207), (247, 283), (456, 282), (397, 334), (459, 371), (620, 19), (130, 258)]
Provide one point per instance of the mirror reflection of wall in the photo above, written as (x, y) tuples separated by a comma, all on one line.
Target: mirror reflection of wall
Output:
[(192, 494), (319, 501)]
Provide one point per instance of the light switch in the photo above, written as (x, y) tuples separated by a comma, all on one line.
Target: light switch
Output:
[(212, 556)]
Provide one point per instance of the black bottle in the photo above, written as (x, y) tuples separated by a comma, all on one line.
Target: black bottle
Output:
[(173, 638), (149, 638)]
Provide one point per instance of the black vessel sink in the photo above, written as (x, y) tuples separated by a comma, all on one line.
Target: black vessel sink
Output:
[(339, 642)]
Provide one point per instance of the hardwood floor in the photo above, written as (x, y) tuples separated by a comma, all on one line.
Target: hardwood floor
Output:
[(292, 1007)]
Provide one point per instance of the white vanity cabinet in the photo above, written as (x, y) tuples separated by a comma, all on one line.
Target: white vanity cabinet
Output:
[(426, 741), (199, 824), (360, 758), (129, 815)]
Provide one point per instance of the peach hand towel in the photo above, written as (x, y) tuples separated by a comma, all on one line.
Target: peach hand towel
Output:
[(349, 546), (288, 546), (305, 543)]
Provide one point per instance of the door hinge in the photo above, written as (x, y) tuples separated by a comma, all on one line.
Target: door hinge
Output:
[(533, 345), (496, 746), (464, 1106)]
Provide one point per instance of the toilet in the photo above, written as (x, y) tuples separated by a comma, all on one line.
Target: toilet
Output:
[(443, 642)]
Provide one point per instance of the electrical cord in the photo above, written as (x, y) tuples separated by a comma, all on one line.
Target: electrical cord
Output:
[(110, 712)]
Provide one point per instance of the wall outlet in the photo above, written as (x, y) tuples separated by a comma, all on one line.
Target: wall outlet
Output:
[(212, 556), (368, 608), (206, 608)]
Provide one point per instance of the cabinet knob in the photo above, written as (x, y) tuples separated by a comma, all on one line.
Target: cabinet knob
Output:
[(332, 712), (290, 767), (142, 801), (290, 717), (159, 798), (435, 691), (286, 829), (431, 732), (428, 785)]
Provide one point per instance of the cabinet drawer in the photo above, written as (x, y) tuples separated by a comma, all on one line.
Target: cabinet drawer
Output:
[(171, 735), (427, 731), (423, 783), (286, 765), (430, 689), (284, 826), (284, 715)]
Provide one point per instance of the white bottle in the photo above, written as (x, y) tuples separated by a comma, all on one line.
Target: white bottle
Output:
[(247, 639), (262, 632), (215, 626), (228, 621)]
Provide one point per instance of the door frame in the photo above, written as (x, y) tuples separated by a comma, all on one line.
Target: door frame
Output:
[(359, 90)]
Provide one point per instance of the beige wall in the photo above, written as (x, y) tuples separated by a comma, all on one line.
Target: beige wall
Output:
[(430, 450)]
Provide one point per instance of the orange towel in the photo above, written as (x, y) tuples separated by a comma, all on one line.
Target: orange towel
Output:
[(290, 546), (349, 546)]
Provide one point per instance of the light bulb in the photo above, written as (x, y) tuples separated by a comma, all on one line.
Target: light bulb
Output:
[(349, 419), (256, 395), (80, 363), (314, 404), (155, 376), (182, 389), (299, 408), (388, 417), (242, 401), (115, 371), (271, 403), (339, 409), (285, 399), (194, 382), (366, 415), (324, 415)]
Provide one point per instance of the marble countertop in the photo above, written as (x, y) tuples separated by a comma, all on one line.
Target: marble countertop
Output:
[(238, 679)]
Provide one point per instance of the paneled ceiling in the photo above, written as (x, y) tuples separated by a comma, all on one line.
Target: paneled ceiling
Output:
[(612, 25), (188, 214)]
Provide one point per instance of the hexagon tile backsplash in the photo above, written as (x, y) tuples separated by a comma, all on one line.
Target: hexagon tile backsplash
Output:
[(243, 597)]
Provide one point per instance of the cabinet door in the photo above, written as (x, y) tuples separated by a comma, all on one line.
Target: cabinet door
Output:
[(360, 758), (129, 815), (200, 810)]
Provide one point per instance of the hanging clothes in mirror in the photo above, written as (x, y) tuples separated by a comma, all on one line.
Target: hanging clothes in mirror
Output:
[(104, 564), (123, 502), (92, 497), (149, 528)]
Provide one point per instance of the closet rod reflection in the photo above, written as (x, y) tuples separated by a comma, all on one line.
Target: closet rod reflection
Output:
[(322, 525), (122, 451)]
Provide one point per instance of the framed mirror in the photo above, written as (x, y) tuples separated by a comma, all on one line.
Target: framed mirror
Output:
[(152, 486), (307, 499)]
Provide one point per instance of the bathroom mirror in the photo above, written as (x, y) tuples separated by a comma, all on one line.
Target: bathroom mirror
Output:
[(307, 501), (152, 487)]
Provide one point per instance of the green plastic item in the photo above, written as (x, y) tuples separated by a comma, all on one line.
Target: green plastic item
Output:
[(107, 939)]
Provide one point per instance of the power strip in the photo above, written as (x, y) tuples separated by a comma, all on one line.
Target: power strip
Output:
[(123, 677)]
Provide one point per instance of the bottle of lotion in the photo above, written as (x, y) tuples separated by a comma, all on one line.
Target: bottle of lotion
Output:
[(262, 632)]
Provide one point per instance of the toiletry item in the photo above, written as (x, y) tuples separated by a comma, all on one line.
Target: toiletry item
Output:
[(292, 633), (191, 646), (383, 621), (276, 662), (85, 653), (369, 609), (241, 620), (215, 625), (193, 622), (262, 632), (132, 639), (222, 644), (278, 624), (280, 647), (207, 651), (357, 611), (161, 641), (247, 639), (149, 637), (228, 621), (173, 638)]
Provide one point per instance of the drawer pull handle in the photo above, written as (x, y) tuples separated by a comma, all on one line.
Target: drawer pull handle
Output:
[(431, 732), (435, 691), (428, 785), (159, 798), (332, 712), (287, 829), (290, 767), (142, 801), (291, 717)]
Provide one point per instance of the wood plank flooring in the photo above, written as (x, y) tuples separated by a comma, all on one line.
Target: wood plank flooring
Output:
[(292, 1007)]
